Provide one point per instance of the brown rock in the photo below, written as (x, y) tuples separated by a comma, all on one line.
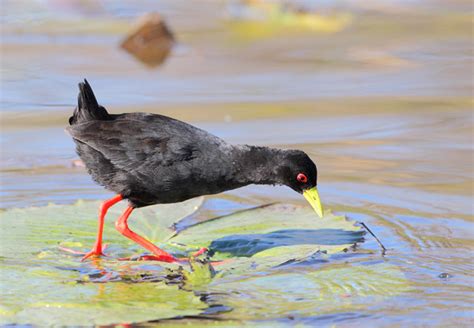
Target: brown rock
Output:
[(150, 41)]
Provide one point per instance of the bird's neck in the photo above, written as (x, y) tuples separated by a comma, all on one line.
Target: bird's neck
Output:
[(256, 165)]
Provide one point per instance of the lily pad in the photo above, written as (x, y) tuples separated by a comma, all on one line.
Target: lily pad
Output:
[(42, 285), (156, 222), (306, 293), (276, 260), (247, 233)]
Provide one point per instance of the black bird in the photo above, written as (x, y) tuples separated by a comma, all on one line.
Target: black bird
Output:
[(153, 159)]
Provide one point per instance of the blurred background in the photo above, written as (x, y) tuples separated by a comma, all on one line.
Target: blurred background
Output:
[(378, 93)]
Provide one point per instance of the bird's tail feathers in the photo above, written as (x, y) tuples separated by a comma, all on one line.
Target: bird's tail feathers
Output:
[(87, 106)]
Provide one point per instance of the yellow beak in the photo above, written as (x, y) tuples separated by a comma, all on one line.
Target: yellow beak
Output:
[(312, 197)]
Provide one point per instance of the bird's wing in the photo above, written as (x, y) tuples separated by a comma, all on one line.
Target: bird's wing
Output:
[(143, 141)]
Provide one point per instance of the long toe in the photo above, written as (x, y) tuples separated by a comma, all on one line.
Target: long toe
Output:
[(200, 252), (94, 252), (70, 251), (160, 258)]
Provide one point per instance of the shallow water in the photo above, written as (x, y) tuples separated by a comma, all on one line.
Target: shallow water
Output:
[(384, 107)]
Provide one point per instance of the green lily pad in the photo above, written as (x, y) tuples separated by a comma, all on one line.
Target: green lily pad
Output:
[(156, 222), (306, 293), (248, 233), (42, 285), (269, 256)]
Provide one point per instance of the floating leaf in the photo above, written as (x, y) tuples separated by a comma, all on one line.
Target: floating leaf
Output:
[(249, 232), (305, 293), (156, 222), (43, 286), (276, 261)]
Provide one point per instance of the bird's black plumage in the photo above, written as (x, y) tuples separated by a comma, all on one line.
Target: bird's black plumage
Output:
[(150, 159)]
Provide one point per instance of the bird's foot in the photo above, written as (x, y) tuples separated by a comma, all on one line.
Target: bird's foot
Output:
[(168, 258), (200, 252), (97, 251)]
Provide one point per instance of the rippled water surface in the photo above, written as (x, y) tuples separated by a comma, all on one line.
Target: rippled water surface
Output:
[(383, 106)]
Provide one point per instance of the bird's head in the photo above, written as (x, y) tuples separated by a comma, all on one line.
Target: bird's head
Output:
[(296, 170)]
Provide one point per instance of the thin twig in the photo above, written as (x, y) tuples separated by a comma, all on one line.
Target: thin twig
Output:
[(378, 241)]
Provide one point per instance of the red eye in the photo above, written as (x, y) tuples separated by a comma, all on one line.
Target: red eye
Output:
[(302, 178)]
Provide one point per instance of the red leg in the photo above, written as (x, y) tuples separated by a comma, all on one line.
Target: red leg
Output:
[(122, 227), (97, 249)]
